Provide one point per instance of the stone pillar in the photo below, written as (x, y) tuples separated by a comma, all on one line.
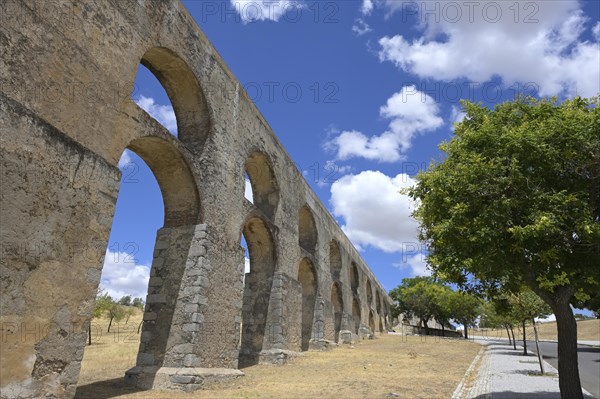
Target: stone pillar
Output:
[(174, 332), (56, 210), (323, 334), (284, 325)]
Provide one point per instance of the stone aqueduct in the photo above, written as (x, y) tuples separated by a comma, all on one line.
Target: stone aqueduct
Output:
[(67, 71)]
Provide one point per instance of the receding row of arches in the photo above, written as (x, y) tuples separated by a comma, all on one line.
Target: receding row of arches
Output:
[(182, 207)]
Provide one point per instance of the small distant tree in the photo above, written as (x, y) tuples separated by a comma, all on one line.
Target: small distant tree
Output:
[(464, 308), (503, 314), (129, 311), (442, 309), (526, 307), (138, 303), (125, 301), (102, 304), (416, 297), (117, 313)]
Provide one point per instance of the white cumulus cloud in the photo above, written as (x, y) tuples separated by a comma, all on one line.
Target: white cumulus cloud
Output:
[(122, 276), (163, 114), (263, 10), (125, 159), (410, 112), (415, 263), (248, 191), (360, 27), (535, 43), (374, 213), (366, 7)]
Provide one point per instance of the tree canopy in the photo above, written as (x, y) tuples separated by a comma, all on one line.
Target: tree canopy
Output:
[(517, 201)]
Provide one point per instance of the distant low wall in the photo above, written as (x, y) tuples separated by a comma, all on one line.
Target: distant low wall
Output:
[(406, 329)]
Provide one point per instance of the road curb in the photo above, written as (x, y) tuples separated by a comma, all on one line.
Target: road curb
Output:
[(460, 389)]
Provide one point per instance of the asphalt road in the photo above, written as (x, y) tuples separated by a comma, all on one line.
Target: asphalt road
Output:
[(589, 363)]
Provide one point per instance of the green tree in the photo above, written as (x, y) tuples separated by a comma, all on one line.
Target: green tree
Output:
[(525, 307), (464, 308), (125, 301), (497, 313), (102, 304), (129, 311), (517, 201), (138, 303), (442, 309), (416, 297), (117, 313)]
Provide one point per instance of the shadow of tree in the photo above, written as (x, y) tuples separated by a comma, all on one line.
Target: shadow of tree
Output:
[(524, 395)]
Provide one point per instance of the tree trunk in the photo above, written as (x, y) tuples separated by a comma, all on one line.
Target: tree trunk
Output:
[(508, 333), (142, 322), (537, 347), (568, 367), (443, 330), (512, 330), (110, 324), (466, 333), (524, 340), (90, 332)]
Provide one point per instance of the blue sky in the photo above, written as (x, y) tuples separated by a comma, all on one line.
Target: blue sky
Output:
[(360, 93)]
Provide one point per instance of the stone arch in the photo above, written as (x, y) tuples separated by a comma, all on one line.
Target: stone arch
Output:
[(257, 288), (378, 302), (338, 308), (265, 190), (371, 321), (369, 294), (180, 242), (307, 277), (185, 93), (307, 230), (356, 316), (175, 179), (335, 260), (354, 278)]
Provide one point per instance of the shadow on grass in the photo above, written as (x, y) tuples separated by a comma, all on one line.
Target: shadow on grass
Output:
[(105, 389), (524, 395), (519, 395)]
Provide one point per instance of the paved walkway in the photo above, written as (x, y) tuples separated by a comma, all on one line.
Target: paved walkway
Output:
[(504, 373)]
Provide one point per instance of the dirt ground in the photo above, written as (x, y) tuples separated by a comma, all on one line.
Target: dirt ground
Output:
[(412, 367)]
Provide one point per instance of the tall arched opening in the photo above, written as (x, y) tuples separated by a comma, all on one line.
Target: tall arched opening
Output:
[(371, 321), (308, 279), (369, 294), (335, 260), (257, 289), (179, 242), (356, 317), (307, 230), (185, 93), (354, 279), (338, 308), (265, 190)]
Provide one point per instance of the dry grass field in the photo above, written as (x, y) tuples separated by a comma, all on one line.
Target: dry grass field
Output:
[(412, 367), (586, 330)]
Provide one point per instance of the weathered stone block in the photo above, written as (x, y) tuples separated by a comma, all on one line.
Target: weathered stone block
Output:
[(156, 298)]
